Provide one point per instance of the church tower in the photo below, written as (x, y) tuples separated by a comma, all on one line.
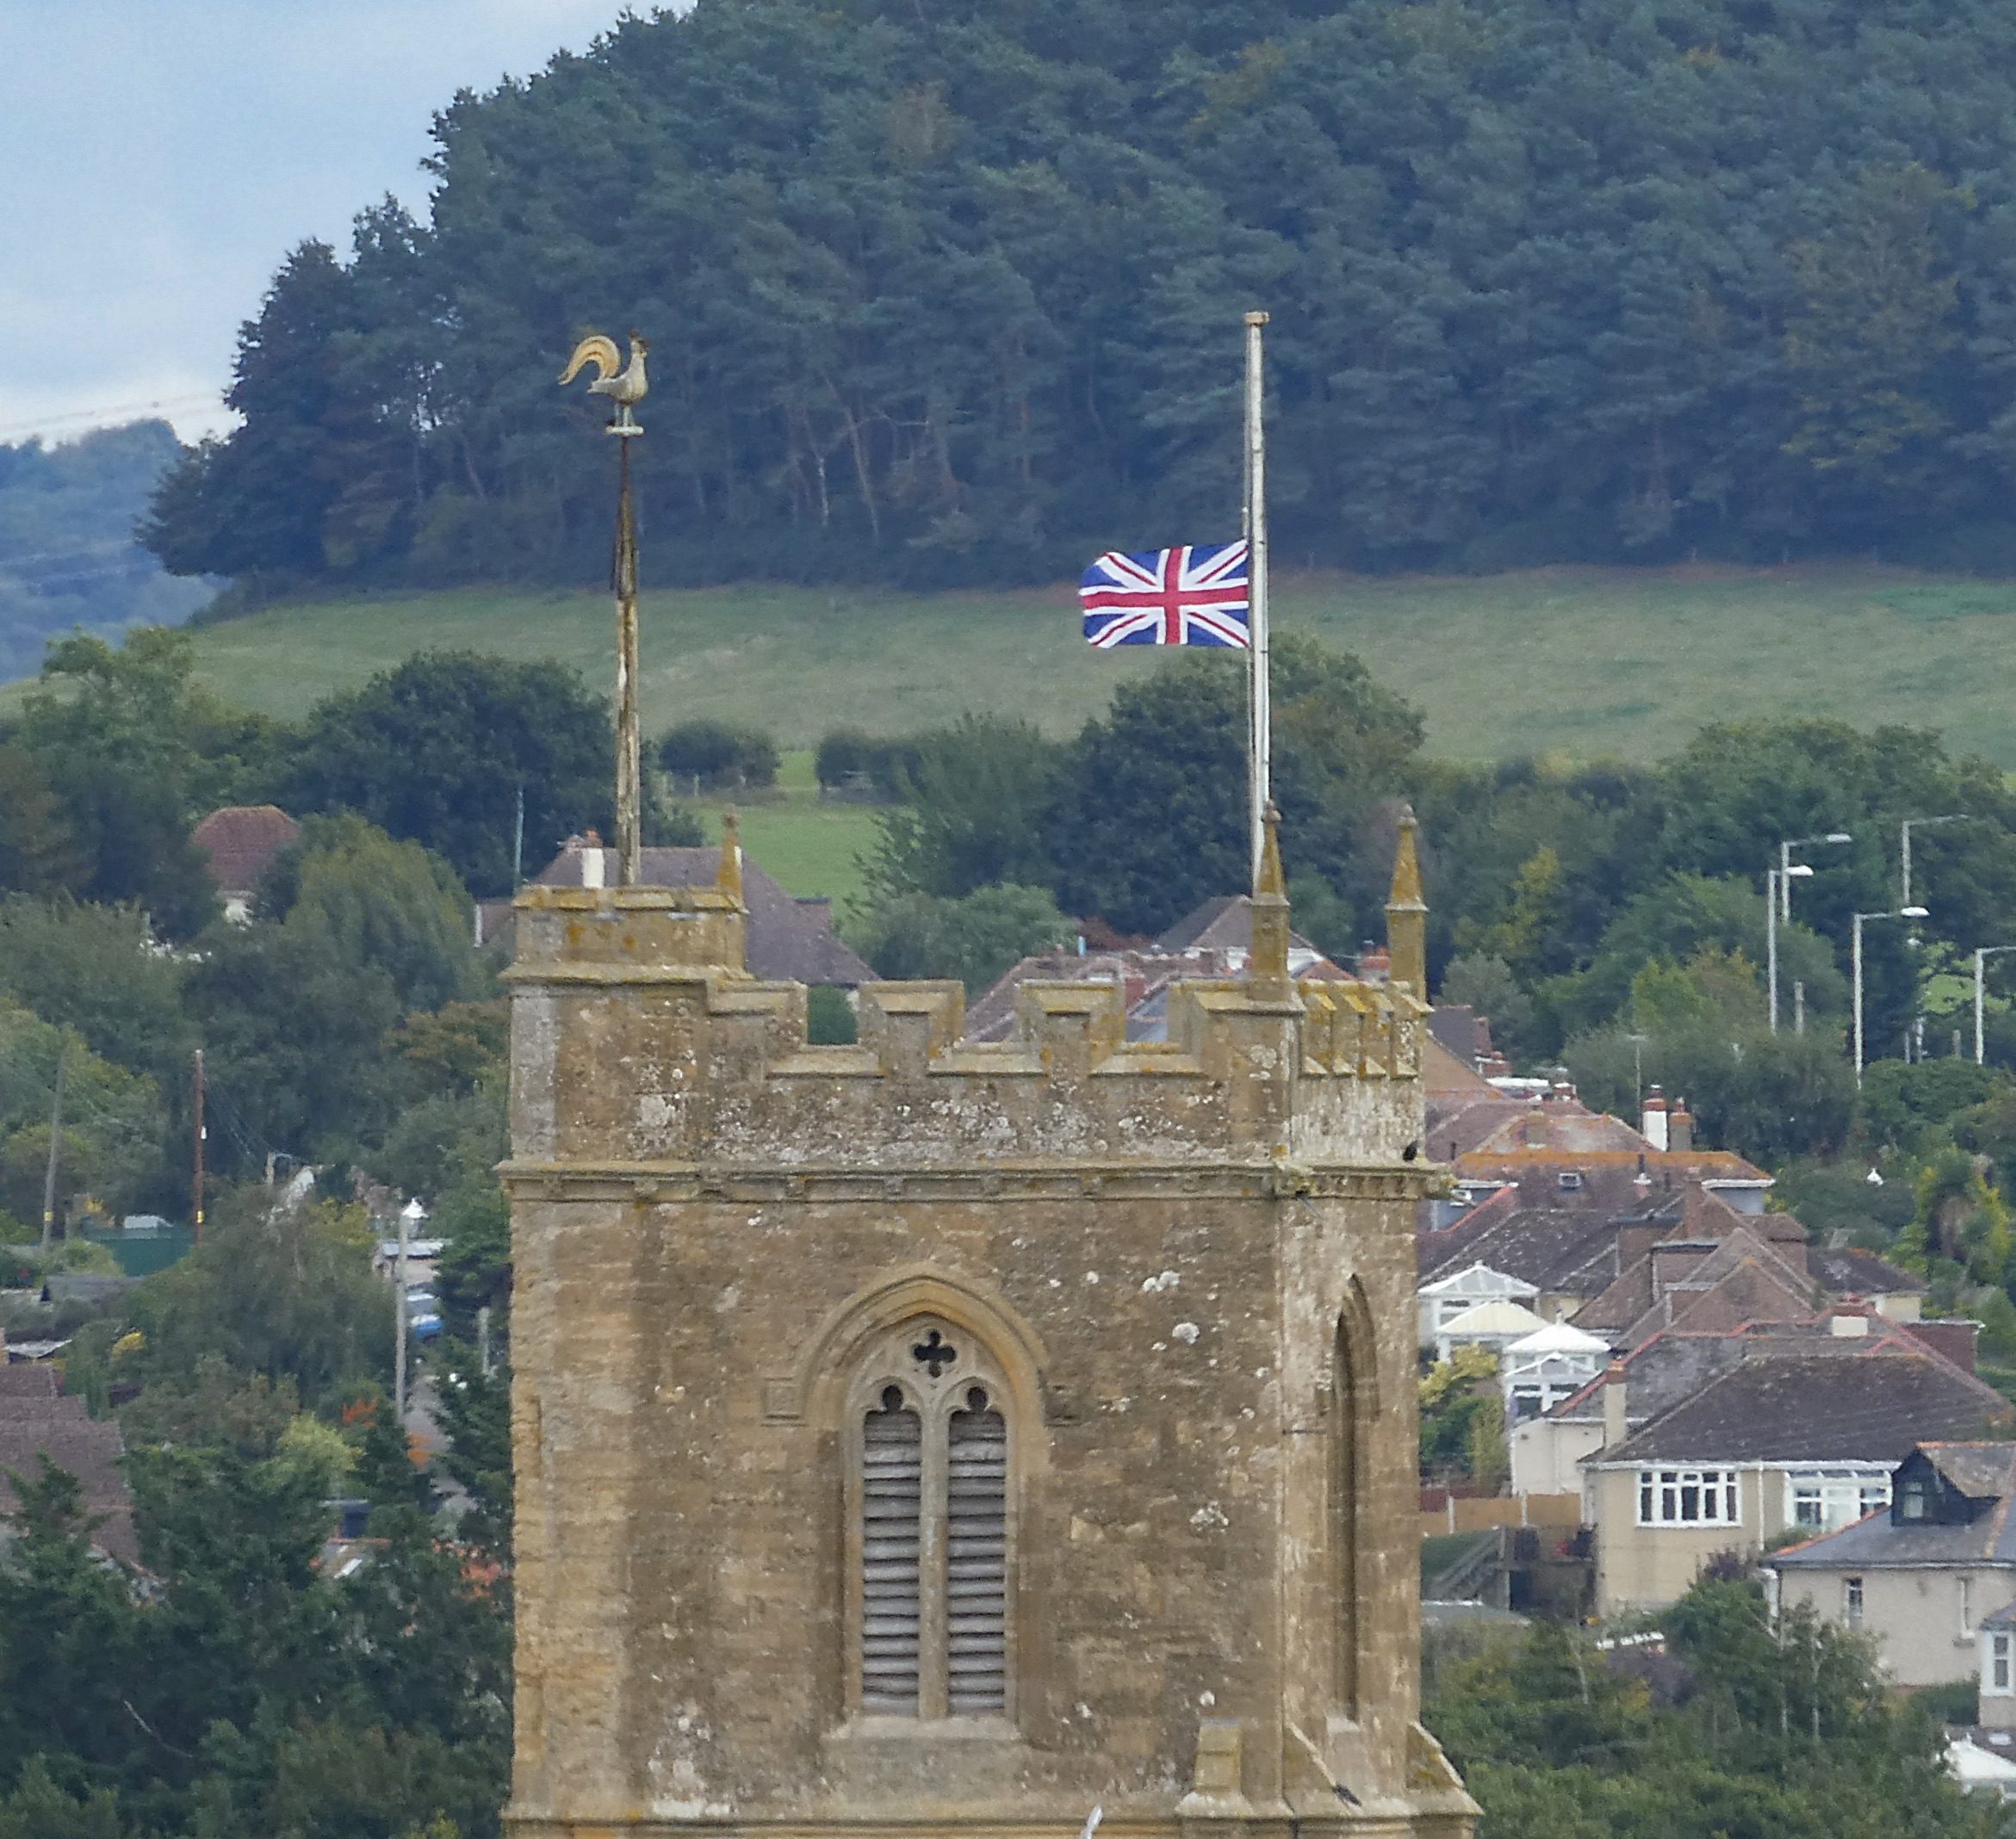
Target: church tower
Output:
[(924, 1438)]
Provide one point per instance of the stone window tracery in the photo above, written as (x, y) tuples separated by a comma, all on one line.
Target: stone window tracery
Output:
[(931, 1468)]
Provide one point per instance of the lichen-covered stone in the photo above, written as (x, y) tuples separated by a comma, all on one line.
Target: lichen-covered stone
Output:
[(1189, 1266)]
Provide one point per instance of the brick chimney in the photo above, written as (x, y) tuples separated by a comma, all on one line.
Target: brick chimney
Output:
[(1653, 1125), (1679, 1127), (1953, 1337), (1614, 1427)]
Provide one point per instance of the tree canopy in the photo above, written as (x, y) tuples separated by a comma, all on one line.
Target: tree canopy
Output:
[(953, 292)]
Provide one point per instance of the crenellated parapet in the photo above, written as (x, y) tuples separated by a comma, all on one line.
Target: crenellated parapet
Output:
[(642, 1040)]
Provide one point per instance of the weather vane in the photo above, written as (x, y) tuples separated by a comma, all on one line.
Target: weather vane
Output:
[(624, 385)]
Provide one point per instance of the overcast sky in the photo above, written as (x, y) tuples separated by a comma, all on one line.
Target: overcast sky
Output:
[(159, 157)]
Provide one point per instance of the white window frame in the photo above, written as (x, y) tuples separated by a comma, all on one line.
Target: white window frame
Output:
[(1854, 1602), (1826, 1499), (1686, 1498), (1998, 1675)]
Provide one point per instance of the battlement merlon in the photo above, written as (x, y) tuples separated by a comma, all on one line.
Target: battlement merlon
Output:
[(633, 1005)]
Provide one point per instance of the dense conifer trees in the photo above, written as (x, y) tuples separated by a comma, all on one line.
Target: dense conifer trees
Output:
[(951, 292)]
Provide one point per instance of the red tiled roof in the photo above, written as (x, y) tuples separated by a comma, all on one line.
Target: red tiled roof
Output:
[(241, 840)]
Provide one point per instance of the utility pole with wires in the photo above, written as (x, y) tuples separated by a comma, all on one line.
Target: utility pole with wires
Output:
[(196, 1172), (55, 1143)]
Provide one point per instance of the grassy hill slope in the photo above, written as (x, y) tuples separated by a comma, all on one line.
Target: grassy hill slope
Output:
[(1591, 661)]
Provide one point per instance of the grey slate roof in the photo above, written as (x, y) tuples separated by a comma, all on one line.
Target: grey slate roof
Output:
[(1980, 1471), (1658, 1376), (1877, 1541), (1847, 1272), (789, 940), (1560, 1250), (1809, 1404)]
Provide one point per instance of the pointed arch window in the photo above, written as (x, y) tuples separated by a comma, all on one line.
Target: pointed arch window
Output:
[(931, 1467)]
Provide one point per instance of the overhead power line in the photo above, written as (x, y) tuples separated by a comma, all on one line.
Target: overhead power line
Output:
[(113, 413)]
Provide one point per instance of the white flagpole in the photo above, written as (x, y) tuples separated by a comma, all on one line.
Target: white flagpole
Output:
[(1260, 713)]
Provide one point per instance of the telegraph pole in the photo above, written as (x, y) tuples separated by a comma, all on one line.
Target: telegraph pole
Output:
[(197, 1173), (55, 1139)]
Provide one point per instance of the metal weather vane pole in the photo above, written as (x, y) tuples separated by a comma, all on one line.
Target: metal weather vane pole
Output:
[(626, 386), (1260, 710)]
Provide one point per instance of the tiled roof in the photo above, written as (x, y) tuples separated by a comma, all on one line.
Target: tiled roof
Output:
[(36, 1424), (1556, 1249), (1445, 1075), (241, 841), (1144, 977), (1877, 1540), (1646, 1296), (26, 1379), (1847, 1272), (1810, 1404), (1982, 1471), (1658, 1375), (789, 940)]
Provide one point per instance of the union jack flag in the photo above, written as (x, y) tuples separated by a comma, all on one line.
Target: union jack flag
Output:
[(1195, 594)]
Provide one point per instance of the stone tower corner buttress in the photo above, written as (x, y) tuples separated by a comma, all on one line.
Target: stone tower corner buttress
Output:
[(920, 1434)]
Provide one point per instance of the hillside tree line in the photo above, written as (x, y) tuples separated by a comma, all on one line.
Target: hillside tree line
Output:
[(952, 293)]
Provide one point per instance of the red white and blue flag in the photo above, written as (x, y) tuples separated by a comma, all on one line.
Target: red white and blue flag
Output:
[(1196, 595)]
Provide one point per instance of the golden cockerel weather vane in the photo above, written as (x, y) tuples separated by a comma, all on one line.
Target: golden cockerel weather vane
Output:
[(624, 385)]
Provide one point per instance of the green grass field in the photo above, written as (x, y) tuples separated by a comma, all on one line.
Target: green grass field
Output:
[(1592, 662), (810, 847)]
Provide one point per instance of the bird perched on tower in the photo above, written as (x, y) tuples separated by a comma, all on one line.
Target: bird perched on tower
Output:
[(624, 385)]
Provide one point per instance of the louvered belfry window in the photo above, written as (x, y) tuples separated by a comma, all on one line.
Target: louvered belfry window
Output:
[(892, 1480), (976, 1557), (934, 1563)]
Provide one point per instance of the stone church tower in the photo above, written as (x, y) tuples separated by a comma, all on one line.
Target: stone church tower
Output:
[(927, 1438)]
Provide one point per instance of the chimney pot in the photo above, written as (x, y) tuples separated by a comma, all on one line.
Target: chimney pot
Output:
[(1614, 1423)]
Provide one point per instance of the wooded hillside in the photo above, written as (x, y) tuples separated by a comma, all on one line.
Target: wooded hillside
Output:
[(951, 291)]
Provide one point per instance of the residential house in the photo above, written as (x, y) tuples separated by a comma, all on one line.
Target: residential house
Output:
[(791, 938), (1982, 1760), (1995, 1662), (239, 843), (1548, 1368), (1931, 1578), (37, 1419), (1801, 1434), (1558, 1154), (1216, 937), (1144, 975), (1547, 1450), (1565, 1254), (1450, 1297), (1494, 1325), (1898, 1296)]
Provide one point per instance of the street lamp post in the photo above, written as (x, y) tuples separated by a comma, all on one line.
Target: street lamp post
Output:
[(1785, 851), (1774, 880), (1904, 831), (1980, 957), (410, 1216), (1900, 913)]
